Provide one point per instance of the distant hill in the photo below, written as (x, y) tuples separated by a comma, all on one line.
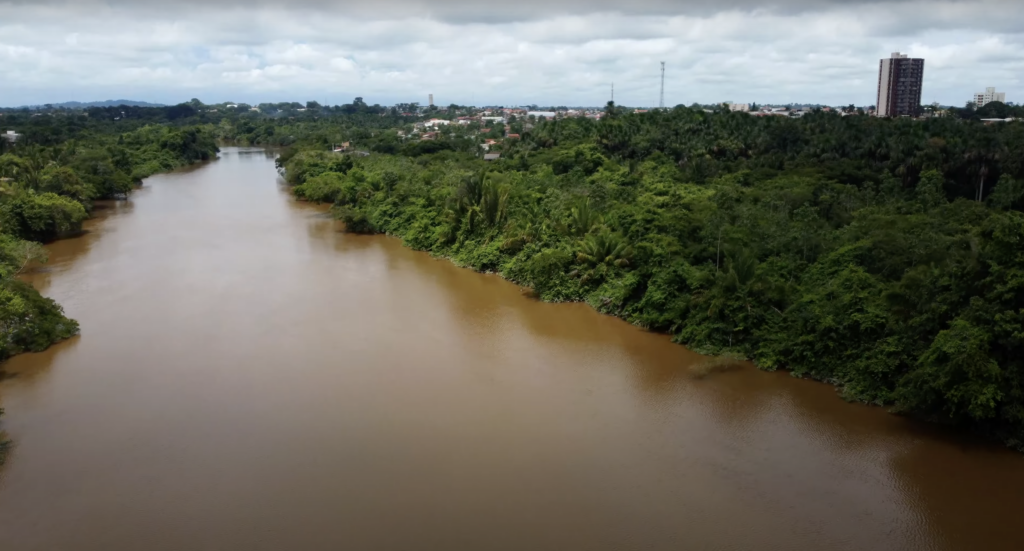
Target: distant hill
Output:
[(87, 104)]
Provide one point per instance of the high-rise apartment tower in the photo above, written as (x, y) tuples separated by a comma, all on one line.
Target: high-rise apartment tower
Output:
[(899, 86), (988, 96)]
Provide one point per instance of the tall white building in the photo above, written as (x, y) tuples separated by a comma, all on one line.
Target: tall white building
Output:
[(988, 96)]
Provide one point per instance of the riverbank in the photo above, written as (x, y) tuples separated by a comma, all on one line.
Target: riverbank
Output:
[(50, 193), (720, 360), (839, 297)]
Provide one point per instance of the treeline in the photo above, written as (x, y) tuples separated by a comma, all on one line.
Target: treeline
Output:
[(991, 110), (47, 191), (883, 256)]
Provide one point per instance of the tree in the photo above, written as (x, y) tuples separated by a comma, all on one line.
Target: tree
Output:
[(41, 217), (604, 247), (16, 254), (929, 190), (994, 110), (64, 181), (1007, 194), (956, 376), (583, 218), (986, 150)]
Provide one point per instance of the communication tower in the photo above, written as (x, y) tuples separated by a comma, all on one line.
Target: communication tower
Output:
[(661, 101)]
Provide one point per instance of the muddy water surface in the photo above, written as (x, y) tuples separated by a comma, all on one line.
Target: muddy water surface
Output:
[(248, 378)]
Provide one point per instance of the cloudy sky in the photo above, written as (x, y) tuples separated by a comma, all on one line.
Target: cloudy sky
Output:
[(548, 52)]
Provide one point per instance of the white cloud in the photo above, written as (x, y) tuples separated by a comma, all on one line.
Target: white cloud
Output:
[(565, 54)]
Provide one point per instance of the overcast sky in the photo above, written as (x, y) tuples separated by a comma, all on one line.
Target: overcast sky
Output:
[(548, 52)]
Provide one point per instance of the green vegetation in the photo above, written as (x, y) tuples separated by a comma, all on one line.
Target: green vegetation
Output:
[(46, 192), (883, 256)]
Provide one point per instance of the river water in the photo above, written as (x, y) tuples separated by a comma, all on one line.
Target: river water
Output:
[(249, 378)]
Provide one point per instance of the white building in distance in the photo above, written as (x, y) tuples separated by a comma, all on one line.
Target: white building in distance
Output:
[(988, 96), (539, 114), (744, 107)]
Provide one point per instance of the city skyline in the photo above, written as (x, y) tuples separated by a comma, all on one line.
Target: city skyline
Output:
[(563, 54)]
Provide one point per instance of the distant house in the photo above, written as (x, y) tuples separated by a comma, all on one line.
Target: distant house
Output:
[(539, 114), (516, 136), (492, 156), (429, 136), (11, 136), (345, 146)]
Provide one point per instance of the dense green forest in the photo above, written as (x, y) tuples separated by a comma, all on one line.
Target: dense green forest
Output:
[(883, 256), (49, 179)]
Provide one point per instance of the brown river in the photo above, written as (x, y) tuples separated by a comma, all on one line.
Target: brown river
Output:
[(249, 378)]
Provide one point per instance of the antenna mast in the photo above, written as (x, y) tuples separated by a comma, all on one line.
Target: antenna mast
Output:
[(661, 101), (613, 92)]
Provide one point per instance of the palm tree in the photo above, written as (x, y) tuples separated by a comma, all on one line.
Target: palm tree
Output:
[(527, 228), (582, 218), (478, 200), (493, 203), (986, 150), (604, 247)]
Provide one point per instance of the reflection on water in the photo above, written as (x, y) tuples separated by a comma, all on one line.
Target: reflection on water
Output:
[(248, 377)]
